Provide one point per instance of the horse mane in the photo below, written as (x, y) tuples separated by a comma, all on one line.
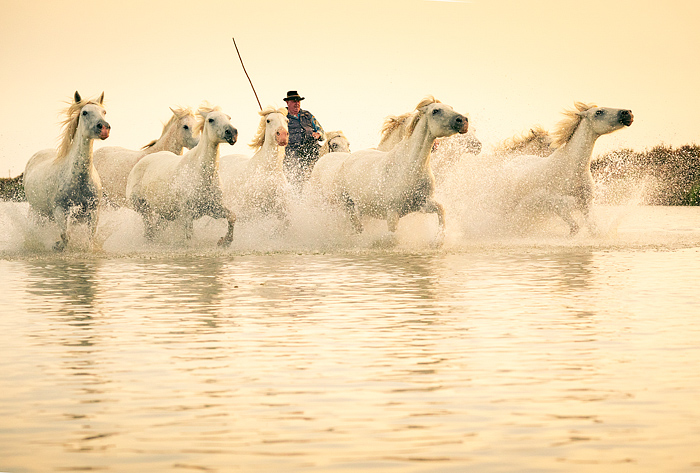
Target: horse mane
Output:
[(178, 113), (329, 136), (203, 111), (536, 136), (565, 129), (259, 138), (70, 125), (392, 123), (420, 109)]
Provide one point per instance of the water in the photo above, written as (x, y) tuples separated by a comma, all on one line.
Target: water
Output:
[(331, 353)]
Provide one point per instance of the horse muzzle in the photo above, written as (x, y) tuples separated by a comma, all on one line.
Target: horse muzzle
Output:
[(625, 117), (231, 135), (103, 129), (461, 124), (282, 137)]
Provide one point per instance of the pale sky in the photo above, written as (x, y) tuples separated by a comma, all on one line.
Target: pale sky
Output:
[(509, 64)]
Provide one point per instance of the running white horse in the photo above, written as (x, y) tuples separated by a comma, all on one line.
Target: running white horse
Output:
[(446, 151), (561, 183), (336, 142), (63, 184), (113, 163), (257, 184), (390, 184), (165, 186)]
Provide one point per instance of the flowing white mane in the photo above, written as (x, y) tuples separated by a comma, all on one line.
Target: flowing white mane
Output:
[(565, 129), (536, 138), (259, 138), (70, 125), (392, 123), (178, 114), (419, 113), (203, 111)]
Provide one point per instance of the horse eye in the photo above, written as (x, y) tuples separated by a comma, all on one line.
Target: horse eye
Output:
[(599, 113), (268, 120), (211, 120), (85, 113), (186, 127), (436, 111)]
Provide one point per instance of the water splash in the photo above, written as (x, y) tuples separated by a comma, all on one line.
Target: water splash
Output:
[(469, 189)]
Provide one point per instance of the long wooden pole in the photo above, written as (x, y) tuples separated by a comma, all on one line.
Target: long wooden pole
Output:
[(246, 72)]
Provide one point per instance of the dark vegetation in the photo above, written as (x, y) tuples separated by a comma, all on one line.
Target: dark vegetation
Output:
[(662, 175), (11, 188)]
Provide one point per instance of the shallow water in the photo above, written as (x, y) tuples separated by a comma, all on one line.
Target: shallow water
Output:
[(321, 351)]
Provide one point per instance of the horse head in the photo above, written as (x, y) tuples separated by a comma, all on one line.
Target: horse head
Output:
[(91, 119), (186, 124), (338, 143), (276, 128), (443, 120), (605, 120), (216, 126)]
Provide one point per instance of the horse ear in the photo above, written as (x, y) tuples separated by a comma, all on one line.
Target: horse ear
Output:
[(76, 97), (102, 98)]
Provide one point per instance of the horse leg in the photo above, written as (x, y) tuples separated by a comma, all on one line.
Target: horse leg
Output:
[(392, 220), (352, 212), (586, 209), (189, 226), (92, 219), (432, 206), (150, 219), (563, 207), (281, 210), (61, 216), (226, 240), (230, 216)]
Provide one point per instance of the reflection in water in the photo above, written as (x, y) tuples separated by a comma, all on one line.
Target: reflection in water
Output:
[(496, 358)]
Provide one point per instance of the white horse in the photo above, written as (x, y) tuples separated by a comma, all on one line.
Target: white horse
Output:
[(165, 186), (113, 163), (394, 183), (561, 182), (257, 184), (336, 142), (63, 184), (446, 151)]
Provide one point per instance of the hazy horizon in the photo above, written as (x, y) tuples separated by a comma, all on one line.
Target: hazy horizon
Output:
[(508, 64)]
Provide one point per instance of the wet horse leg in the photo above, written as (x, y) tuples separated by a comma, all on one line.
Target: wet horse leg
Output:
[(563, 206), (62, 217), (432, 206), (223, 212), (151, 220), (352, 212), (392, 220), (92, 220)]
